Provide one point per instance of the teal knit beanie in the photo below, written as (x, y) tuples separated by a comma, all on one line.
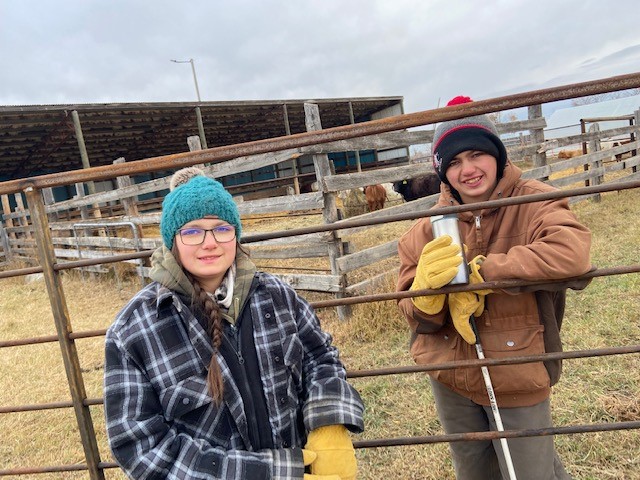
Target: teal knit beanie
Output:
[(193, 196)]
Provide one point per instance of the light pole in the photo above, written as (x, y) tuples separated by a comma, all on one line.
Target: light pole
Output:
[(193, 69)]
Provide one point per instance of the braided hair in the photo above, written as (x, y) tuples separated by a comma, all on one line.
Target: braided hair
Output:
[(211, 311)]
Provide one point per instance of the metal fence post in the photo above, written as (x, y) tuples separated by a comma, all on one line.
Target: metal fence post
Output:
[(63, 327)]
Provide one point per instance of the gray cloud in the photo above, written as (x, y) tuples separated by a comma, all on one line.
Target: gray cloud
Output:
[(85, 51)]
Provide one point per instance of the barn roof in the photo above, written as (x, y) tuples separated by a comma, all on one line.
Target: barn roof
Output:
[(566, 121), (41, 139)]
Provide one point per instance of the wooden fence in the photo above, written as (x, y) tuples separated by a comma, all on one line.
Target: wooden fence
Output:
[(86, 237), (29, 231)]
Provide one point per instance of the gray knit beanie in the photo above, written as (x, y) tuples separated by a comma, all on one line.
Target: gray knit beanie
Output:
[(470, 133)]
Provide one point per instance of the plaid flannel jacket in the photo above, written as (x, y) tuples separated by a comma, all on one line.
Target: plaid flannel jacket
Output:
[(161, 421)]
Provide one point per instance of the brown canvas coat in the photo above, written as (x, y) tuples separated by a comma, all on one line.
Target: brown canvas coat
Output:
[(535, 241)]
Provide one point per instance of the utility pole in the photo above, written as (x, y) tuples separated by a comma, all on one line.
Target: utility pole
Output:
[(193, 70)]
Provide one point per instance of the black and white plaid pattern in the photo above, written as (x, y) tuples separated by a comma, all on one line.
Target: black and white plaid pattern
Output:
[(161, 421)]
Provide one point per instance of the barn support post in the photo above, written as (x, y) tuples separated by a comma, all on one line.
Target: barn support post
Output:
[(537, 135), (595, 146), (62, 321), (84, 157), (294, 161), (357, 152), (330, 209), (203, 138), (194, 144)]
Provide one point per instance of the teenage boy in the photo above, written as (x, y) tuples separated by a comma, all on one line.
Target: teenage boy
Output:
[(533, 241)]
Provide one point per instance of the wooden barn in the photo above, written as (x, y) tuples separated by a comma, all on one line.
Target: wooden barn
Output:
[(43, 139)]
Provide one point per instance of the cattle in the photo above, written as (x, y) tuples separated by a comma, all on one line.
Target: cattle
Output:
[(569, 153), (618, 143), (376, 196), (418, 187)]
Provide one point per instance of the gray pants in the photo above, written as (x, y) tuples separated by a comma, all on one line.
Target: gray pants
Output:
[(534, 458)]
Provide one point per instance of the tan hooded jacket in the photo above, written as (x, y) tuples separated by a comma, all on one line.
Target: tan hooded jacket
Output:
[(535, 241)]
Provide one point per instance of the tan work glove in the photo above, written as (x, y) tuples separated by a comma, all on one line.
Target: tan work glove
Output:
[(464, 304), (308, 457), (335, 453), (437, 266)]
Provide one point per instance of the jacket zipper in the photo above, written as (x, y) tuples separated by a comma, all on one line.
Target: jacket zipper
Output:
[(478, 218), (235, 344)]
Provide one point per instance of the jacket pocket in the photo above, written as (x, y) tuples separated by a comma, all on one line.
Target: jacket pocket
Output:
[(434, 348), (293, 353), (184, 397), (519, 378)]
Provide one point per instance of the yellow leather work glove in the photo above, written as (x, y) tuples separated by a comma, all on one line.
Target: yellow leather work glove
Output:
[(437, 266), (308, 457), (334, 448), (463, 304)]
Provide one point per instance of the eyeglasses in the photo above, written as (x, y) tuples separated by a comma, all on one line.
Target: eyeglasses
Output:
[(196, 236)]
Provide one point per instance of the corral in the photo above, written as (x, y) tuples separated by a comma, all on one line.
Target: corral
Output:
[(32, 238)]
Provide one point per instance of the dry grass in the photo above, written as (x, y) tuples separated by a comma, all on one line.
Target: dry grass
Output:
[(602, 389)]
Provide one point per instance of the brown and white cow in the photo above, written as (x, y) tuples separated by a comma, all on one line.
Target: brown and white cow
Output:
[(376, 195)]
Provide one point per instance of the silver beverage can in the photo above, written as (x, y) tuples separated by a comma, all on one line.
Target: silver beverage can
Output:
[(448, 225)]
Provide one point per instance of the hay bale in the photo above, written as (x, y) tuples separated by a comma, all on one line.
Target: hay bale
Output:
[(354, 203)]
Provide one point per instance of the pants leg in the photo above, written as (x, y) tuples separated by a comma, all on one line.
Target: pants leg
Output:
[(475, 460), (534, 458)]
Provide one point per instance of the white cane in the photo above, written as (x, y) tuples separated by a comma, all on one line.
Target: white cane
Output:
[(493, 402), (448, 225)]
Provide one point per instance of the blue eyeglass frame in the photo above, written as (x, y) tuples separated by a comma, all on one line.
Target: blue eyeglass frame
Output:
[(213, 233)]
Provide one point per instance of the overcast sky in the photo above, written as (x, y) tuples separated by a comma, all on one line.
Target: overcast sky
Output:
[(90, 51)]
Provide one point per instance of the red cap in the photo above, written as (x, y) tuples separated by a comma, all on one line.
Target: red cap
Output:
[(460, 99)]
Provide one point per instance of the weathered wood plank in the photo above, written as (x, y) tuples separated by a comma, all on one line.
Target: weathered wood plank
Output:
[(348, 181), (585, 137), (299, 251), (317, 283), (578, 177), (110, 242), (372, 284), (287, 203), (627, 163), (424, 203), (368, 256)]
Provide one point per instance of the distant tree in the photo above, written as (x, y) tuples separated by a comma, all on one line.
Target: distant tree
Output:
[(497, 117), (603, 97)]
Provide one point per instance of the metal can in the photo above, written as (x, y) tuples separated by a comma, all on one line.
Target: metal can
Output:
[(448, 225)]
